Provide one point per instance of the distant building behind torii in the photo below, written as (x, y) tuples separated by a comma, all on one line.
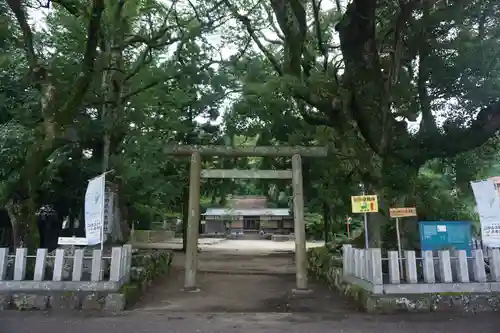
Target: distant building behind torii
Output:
[(248, 215)]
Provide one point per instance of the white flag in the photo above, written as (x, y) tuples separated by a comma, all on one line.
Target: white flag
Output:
[(488, 208), (94, 210)]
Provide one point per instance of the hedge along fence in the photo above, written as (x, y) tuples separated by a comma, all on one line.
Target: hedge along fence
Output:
[(325, 265), (146, 267), (151, 236)]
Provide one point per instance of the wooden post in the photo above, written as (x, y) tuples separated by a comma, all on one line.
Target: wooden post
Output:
[(299, 224), (193, 222)]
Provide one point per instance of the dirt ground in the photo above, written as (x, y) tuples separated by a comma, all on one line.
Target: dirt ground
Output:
[(239, 283), (243, 292)]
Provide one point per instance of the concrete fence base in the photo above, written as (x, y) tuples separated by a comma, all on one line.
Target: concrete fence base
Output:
[(145, 267), (113, 302)]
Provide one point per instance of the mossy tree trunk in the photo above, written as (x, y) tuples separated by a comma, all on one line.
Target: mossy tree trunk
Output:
[(57, 113)]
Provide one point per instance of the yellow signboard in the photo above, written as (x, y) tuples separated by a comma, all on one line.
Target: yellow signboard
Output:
[(364, 204), (402, 212)]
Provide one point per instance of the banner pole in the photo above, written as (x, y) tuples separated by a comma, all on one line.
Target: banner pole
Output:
[(101, 174)]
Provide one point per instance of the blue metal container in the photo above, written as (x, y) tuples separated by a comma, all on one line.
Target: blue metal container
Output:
[(445, 235)]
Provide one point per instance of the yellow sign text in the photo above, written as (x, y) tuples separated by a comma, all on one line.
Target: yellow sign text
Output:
[(364, 204), (402, 212)]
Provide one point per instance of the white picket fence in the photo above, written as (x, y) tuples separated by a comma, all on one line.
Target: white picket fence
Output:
[(447, 272), (71, 270)]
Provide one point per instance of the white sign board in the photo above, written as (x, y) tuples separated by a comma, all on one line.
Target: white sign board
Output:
[(94, 209), (488, 208), (441, 228), (72, 241)]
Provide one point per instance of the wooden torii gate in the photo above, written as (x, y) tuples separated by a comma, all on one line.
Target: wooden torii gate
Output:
[(196, 173)]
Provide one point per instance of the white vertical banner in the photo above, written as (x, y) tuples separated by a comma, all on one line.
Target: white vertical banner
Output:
[(94, 209), (488, 208)]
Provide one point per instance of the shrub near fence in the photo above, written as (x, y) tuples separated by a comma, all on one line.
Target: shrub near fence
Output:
[(151, 236), (146, 267)]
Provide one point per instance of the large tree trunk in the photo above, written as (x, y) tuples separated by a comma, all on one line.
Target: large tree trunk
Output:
[(376, 221), (23, 220), (124, 215), (112, 106), (56, 117), (395, 189)]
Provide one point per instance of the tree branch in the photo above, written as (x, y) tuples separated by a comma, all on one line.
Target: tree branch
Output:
[(273, 41), (241, 53), (16, 6), (427, 124), (291, 16), (319, 35), (145, 87), (85, 78), (458, 140), (405, 11), (363, 75), (251, 31), (272, 22), (146, 57), (339, 7), (329, 109), (78, 9), (73, 7), (158, 36), (153, 83)]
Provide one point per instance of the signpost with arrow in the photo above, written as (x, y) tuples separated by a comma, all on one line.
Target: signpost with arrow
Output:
[(365, 204)]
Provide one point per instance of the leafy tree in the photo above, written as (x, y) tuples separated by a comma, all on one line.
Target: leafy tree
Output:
[(394, 63), (86, 122)]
